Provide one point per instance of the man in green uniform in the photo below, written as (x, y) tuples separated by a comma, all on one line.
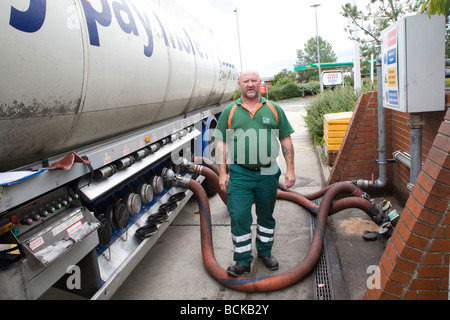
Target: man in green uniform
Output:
[(248, 135)]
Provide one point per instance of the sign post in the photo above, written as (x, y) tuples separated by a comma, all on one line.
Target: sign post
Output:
[(263, 89), (333, 78)]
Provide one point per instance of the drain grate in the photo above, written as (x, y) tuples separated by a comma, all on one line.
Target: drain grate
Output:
[(323, 289)]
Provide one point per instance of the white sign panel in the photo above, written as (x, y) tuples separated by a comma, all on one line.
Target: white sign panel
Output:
[(390, 68), (332, 78)]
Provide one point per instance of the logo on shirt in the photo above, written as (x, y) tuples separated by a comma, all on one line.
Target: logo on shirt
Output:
[(266, 120)]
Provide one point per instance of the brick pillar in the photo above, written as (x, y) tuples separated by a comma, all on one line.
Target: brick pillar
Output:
[(415, 264)]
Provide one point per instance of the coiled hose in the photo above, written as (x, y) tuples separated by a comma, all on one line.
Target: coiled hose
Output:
[(304, 267)]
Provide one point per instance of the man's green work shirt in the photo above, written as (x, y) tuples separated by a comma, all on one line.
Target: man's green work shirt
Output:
[(253, 138)]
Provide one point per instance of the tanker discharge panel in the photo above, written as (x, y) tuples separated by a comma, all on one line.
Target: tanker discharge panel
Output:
[(75, 72)]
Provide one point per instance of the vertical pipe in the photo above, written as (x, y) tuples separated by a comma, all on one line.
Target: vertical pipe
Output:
[(416, 124), (371, 68), (239, 37), (382, 161), (318, 48), (356, 57)]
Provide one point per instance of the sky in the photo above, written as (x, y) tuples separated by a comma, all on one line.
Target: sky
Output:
[(271, 31)]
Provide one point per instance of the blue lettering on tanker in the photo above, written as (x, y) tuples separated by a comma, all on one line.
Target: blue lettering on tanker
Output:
[(120, 10), (30, 20), (185, 43), (93, 16), (127, 27), (148, 49), (127, 15)]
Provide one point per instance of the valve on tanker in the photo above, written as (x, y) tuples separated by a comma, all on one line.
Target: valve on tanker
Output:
[(167, 174), (157, 184), (183, 133), (105, 172), (154, 147), (118, 215), (141, 154), (133, 203), (164, 141), (191, 167), (179, 165), (125, 162), (174, 136), (181, 181), (184, 165), (145, 191)]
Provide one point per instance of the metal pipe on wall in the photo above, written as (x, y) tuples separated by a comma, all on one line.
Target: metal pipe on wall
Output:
[(382, 161), (416, 124), (402, 157)]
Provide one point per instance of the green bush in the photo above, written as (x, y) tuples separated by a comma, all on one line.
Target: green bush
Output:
[(284, 92), (291, 90), (236, 95), (311, 88)]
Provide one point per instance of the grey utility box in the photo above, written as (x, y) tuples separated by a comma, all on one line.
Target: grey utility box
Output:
[(413, 57)]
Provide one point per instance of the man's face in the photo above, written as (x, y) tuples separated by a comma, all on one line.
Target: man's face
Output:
[(250, 83)]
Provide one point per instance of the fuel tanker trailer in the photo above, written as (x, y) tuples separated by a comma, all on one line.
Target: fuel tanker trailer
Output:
[(101, 104)]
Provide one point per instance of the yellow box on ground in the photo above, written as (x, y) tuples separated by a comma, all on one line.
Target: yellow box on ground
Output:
[(335, 126)]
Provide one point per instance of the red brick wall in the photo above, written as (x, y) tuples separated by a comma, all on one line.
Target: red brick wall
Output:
[(415, 264), (359, 151), (401, 141)]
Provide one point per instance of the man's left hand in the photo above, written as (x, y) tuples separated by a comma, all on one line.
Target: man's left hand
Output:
[(289, 179)]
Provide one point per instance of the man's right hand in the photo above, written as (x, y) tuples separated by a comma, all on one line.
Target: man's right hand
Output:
[(223, 181)]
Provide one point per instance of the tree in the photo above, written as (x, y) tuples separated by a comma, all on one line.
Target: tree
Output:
[(436, 7), (309, 55), (371, 22), (284, 76), (439, 7)]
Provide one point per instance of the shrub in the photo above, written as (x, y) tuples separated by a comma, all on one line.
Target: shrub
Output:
[(275, 93), (311, 88), (236, 95), (291, 90)]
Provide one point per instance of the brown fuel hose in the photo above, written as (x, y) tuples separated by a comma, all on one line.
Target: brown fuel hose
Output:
[(287, 278), (206, 162)]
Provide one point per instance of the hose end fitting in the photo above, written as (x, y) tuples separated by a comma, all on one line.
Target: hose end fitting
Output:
[(180, 181)]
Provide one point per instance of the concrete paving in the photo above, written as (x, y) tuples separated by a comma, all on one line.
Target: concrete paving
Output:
[(173, 268)]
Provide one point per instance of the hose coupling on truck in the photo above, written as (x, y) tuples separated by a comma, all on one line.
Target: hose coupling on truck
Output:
[(180, 181), (189, 166)]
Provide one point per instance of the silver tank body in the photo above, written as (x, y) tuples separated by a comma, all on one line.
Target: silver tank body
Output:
[(74, 72)]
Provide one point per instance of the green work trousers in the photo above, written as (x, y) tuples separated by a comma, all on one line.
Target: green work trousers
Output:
[(246, 187)]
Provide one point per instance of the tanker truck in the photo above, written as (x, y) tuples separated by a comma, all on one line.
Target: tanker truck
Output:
[(101, 103)]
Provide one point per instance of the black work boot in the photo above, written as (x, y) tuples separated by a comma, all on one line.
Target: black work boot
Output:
[(270, 262), (238, 270)]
